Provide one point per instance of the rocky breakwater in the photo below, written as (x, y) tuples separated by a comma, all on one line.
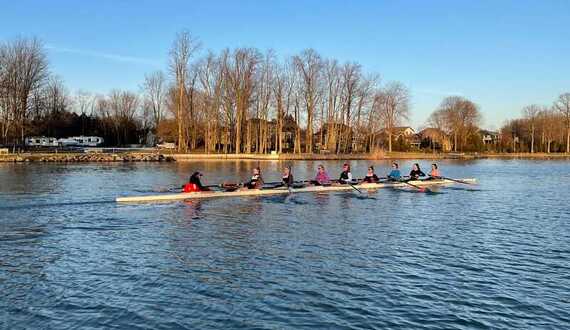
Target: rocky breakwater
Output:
[(86, 157)]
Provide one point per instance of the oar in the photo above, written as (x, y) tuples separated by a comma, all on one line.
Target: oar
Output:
[(454, 180), (348, 183), (353, 187), (422, 189)]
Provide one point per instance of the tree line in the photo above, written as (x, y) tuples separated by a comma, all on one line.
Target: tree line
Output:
[(541, 128), (237, 100), (35, 102), (244, 100)]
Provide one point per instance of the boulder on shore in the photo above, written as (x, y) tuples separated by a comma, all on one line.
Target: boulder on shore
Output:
[(91, 157)]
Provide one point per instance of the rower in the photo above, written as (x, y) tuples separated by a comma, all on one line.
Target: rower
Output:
[(370, 177), (194, 184), (256, 182), (345, 175), (416, 172), (434, 174), (322, 178), (395, 174), (287, 176)]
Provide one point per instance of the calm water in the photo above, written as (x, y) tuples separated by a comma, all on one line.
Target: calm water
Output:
[(493, 256)]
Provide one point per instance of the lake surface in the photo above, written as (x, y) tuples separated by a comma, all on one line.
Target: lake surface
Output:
[(492, 256)]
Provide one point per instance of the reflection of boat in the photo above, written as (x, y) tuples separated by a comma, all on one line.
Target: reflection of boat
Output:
[(285, 190)]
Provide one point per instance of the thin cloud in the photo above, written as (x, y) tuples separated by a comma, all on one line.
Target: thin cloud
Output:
[(106, 56)]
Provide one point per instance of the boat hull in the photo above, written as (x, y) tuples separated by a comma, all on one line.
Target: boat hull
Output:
[(280, 191)]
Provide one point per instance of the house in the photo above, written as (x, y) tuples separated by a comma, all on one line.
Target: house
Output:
[(289, 130), (331, 136), (489, 137), (404, 131), (415, 141), (402, 138), (435, 139), (397, 132)]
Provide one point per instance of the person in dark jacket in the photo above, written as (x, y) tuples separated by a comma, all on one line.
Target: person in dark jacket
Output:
[(370, 177), (416, 172), (256, 181), (287, 178)]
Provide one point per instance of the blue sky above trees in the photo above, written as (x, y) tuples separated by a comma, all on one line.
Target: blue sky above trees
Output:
[(503, 55)]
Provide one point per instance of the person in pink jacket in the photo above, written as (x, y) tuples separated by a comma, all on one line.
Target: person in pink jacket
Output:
[(322, 178)]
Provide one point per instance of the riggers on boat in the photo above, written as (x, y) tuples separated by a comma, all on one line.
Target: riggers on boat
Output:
[(285, 190)]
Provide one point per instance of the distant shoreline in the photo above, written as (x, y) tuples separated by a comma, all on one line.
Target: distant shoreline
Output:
[(166, 157)]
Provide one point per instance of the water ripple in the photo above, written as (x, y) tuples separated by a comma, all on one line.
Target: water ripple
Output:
[(491, 256)]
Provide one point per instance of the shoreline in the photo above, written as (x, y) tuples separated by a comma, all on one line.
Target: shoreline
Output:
[(189, 157)]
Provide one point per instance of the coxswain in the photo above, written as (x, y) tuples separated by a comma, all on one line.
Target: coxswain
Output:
[(370, 177), (322, 178), (395, 174), (434, 174), (345, 175), (194, 184), (287, 176), (416, 172), (256, 182)]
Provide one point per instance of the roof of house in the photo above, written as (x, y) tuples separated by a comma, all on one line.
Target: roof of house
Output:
[(486, 132), (403, 128), (398, 130)]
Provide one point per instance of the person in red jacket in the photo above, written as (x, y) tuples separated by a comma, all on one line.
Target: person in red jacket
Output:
[(194, 184)]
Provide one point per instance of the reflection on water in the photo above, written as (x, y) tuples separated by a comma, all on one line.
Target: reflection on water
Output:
[(494, 255)]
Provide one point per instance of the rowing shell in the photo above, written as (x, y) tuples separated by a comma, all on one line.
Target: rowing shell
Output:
[(281, 190)]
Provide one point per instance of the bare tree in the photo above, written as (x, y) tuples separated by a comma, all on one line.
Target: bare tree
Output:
[(282, 90), (84, 105), (211, 78), (331, 101), (439, 121), (562, 105), (155, 95), (57, 96), (309, 64), (183, 48), (84, 102), (551, 126), (351, 77), (364, 102), (5, 113), (123, 107), (24, 69), (264, 95), (393, 104), (240, 74), (531, 113), (462, 117)]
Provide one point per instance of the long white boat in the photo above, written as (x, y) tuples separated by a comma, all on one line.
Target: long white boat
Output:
[(285, 190)]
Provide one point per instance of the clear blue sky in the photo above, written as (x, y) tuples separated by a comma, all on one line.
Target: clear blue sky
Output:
[(501, 54)]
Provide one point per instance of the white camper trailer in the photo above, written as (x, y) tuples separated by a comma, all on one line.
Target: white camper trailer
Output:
[(41, 141), (74, 141)]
